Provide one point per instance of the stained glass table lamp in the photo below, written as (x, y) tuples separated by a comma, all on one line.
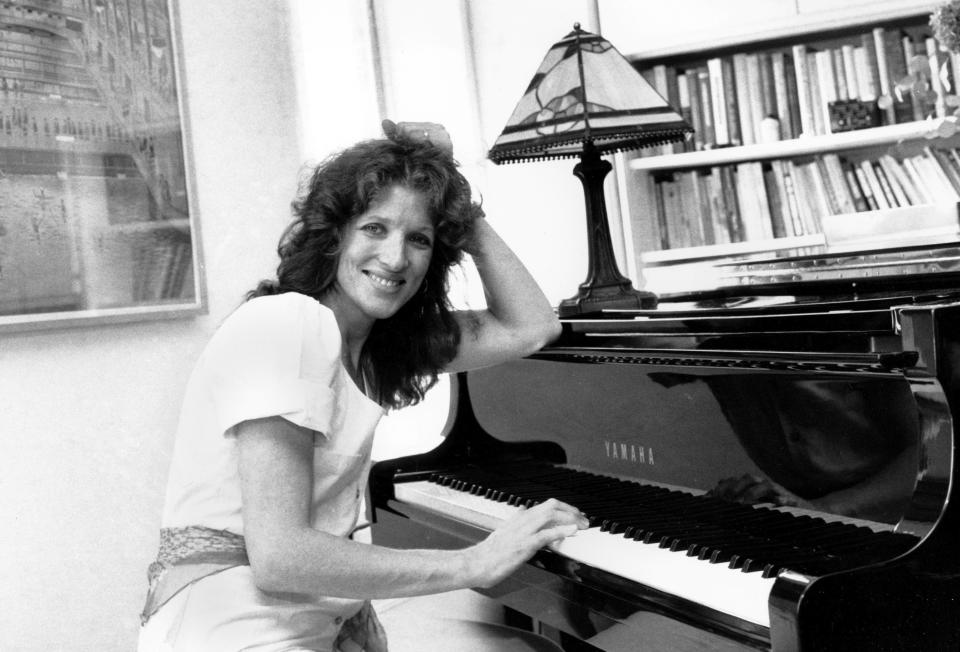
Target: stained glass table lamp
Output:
[(586, 100)]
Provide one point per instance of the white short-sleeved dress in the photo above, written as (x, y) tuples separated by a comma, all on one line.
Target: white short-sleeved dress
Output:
[(274, 356)]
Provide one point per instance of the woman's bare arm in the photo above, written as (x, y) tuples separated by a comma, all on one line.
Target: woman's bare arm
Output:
[(518, 319), (287, 555)]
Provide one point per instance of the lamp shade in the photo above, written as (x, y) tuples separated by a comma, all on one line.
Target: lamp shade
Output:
[(586, 91)]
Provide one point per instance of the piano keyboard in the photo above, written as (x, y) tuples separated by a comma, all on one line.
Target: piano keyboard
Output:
[(718, 554)]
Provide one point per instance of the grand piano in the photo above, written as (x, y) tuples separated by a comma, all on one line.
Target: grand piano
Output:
[(767, 464)]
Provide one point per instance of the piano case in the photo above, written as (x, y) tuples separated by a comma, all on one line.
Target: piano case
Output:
[(767, 465)]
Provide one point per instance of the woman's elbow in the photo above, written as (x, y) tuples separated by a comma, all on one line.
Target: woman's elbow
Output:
[(543, 333), (272, 569)]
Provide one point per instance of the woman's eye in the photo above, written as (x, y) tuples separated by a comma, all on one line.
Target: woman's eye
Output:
[(372, 227), (421, 241)]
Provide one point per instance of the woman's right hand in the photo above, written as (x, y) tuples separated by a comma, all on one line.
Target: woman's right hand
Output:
[(514, 542)]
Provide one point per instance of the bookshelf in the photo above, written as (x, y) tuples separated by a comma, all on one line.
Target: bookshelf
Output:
[(835, 134)]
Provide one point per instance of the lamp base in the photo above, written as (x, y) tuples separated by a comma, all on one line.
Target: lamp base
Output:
[(596, 298)]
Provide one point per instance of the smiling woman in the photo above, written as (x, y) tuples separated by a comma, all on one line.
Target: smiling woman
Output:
[(273, 447)]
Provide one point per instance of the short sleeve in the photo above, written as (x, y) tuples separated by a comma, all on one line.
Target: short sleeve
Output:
[(276, 356)]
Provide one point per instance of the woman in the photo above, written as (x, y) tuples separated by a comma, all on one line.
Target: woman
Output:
[(273, 446)]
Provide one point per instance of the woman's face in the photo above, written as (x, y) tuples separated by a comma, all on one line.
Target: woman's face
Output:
[(384, 257)]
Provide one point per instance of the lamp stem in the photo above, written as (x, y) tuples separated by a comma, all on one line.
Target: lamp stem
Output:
[(605, 286)]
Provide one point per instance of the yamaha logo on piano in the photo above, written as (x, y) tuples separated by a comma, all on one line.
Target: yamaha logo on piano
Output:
[(627, 452)]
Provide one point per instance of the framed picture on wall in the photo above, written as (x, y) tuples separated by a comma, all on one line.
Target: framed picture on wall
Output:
[(96, 222)]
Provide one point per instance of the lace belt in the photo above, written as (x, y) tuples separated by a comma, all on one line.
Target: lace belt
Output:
[(188, 554)]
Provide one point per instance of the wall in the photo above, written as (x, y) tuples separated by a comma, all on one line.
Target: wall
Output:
[(88, 413)]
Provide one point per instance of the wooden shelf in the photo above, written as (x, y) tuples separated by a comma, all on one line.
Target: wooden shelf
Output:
[(789, 28), (803, 146)]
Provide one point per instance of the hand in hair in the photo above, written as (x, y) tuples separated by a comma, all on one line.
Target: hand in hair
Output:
[(419, 132)]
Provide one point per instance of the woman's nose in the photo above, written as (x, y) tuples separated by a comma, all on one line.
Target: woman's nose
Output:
[(393, 253)]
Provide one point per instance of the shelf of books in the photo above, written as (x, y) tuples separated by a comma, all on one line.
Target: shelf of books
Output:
[(818, 140)]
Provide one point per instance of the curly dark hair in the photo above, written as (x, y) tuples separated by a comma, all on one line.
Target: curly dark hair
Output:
[(404, 353)]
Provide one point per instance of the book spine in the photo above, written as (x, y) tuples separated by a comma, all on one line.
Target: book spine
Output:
[(885, 100), (839, 73), (853, 182), (718, 102), (816, 98), (730, 96), (706, 103), (744, 110), (827, 85), (774, 202), (696, 109), (778, 63), (889, 180), (876, 191), (847, 53), (802, 76), (866, 91), (754, 83)]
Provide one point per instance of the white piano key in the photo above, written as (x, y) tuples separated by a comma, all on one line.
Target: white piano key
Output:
[(730, 591)]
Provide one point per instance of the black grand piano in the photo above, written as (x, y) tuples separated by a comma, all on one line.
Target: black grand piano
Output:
[(767, 464)]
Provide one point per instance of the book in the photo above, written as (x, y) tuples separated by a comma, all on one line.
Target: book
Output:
[(755, 84), (706, 106), (696, 108), (834, 172), (946, 164), (730, 97), (865, 188), (775, 202), (718, 102), (686, 110), (828, 187), (885, 99), (938, 181), (816, 99), (650, 233), (690, 207), (707, 220), (793, 96), (793, 210), (897, 67), (866, 88), (731, 202), (853, 183), (839, 73), (827, 86), (768, 93), (754, 206), (893, 199), (894, 170), (661, 83), (890, 181), (851, 79), (718, 209), (916, 177), (869, 176), (743, 90), (779, 66), (908, 48), (804, 101)]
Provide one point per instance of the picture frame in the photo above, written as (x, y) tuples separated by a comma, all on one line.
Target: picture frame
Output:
[(97, 219)]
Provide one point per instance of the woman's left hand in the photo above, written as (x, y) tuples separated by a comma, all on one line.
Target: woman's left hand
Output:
[(419, 132)]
